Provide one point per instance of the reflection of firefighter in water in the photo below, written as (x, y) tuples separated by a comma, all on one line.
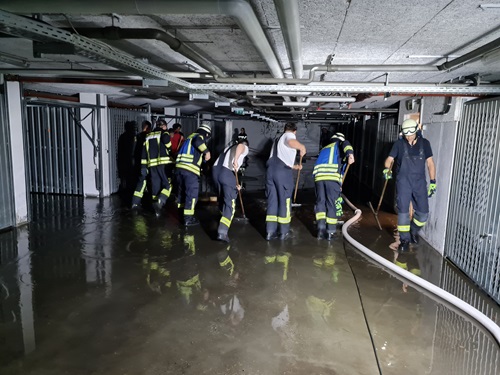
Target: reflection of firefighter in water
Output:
[(312, 305), (160, 270), (279, 258), (320, 301), (182, 274), (409, 262)]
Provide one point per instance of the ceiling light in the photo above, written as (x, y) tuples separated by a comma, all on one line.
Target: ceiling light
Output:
[(492, 57), (13, 60), (489, 6), (431, 56)]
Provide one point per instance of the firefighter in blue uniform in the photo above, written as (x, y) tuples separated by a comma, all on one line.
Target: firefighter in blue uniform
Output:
[(225, 167), (327, 173), (412, 154), (156, 160), (279, 182), (191, 154)]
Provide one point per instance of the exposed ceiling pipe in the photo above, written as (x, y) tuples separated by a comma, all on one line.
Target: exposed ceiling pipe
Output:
[(60, 73), (320, 99), (117, 33), (257, 104), (328, 121), (288, 15), (71, 73), (358, 110), (240, 10), (371, 87), (336, 68), (347, 110), (464, 59)]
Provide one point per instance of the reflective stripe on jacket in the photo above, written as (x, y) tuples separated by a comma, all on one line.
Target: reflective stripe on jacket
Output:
[(156, 149), (190, 156), (327, 166)]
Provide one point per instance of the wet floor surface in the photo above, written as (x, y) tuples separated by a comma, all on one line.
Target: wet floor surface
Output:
[(90, 288)]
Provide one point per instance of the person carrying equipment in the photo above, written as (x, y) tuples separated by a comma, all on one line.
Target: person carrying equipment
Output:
[(226, 165), (327, 173), (279, 182), (412, 154), (155, 160), (191, 154)]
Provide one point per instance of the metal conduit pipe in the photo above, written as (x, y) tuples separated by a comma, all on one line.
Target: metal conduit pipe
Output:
[(347, 110), (478, 52), (336, 68), (469, 310), (241, 10), (93, 73), (117, 33), (359, 110), (328, 121), (320, 99), (71, 73), (288, 15), (392, 84), (257, 104)]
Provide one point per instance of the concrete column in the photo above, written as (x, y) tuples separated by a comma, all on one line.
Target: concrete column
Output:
[(171, 112), (91, 163), (229, 132), (17, 152)]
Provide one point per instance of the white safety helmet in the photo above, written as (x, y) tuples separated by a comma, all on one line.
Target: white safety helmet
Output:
[(340, 136), (205, 125), (409, 127)]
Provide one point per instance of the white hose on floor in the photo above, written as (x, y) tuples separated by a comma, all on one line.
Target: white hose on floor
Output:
[(471, 311)]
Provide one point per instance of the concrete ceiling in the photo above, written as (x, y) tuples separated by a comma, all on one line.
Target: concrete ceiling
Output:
[(224, 53)]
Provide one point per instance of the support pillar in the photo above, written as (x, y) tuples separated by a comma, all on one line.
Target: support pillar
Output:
[(15, 121)]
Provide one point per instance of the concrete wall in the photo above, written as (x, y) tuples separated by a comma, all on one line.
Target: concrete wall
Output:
[(440, 129)]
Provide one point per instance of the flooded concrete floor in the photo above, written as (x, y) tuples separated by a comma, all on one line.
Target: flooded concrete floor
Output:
[(90, 288)]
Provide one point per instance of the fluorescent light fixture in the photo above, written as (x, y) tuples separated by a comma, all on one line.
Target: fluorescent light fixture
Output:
[(489, 6), (432, 56), (13, 60), (491, 58)]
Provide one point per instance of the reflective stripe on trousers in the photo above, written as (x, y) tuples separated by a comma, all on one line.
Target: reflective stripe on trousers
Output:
[(279, 190)]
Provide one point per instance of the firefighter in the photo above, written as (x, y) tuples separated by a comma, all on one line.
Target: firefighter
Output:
[(225, 167), (191, 154), (141, 178), (156, 161), (412, 154), (279, 182), (327, 173)]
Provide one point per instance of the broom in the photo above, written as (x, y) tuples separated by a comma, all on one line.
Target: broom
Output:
[(297, 185), (243, 218)]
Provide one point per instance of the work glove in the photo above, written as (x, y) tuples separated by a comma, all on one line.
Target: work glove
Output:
[(338, 206), (432, 188), (387, 174)]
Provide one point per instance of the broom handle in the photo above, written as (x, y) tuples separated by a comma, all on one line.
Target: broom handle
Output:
[(297, 183), (383, 192), (239, 194), (345, 173)]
